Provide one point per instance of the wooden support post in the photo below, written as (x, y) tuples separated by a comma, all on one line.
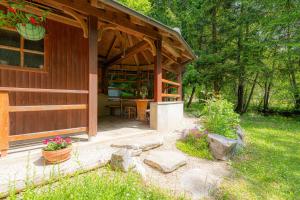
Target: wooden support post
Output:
[(4, 123), (179, 79), (93, 76), (158, 72)]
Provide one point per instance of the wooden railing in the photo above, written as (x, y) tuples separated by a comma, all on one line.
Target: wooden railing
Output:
[(5, 109), (167, 84)]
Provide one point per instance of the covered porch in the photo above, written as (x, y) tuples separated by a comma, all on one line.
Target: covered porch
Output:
[(96, 54)]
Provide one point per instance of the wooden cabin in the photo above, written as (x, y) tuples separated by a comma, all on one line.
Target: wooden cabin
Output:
[(94, 52)]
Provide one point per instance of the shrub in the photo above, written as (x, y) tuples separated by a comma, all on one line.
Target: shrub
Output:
[(195, 144), (220, 118)]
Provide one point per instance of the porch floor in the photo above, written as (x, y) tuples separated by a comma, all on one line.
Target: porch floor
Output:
[(109, 128)]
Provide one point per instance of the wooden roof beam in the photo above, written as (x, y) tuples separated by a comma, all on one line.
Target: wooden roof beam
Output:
[(124, 24), (136, 59), (128, 52)]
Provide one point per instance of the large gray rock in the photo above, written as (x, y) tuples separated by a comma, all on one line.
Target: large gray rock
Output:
[(240, 137), (143, 143), (125, 161), (165, 161), (221, 147), (122, 160), (198, 182)]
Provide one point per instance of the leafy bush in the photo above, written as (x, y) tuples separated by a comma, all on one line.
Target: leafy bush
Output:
[(220, 118), (195, 144)]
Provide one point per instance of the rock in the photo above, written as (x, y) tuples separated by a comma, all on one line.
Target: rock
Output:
[(122, 160), (241, 136), (221, 147), (198, 183), (144, 144), (165, 161)]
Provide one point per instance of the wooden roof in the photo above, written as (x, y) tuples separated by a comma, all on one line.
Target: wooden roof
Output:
[(123, 32)]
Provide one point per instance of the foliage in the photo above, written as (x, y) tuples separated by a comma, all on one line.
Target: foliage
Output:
[(268, 168), (57, 143), (248, 50), (220, 118), (14, 15), (143, 6), (98, 185), (195, 144)]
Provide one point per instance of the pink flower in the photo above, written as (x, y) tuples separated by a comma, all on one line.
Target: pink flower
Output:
[(57, 138), (46, 141), (68, 140)]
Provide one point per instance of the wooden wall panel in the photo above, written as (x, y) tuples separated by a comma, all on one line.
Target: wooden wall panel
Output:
[(67, 68)]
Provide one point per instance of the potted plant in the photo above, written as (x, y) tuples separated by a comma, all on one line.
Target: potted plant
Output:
[(144, 92), (57, 150), (30, 26)]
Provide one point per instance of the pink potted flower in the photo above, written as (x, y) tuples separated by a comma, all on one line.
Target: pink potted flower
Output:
[(57, 150)]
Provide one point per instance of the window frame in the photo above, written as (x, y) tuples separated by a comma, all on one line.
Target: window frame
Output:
[(22, 52)]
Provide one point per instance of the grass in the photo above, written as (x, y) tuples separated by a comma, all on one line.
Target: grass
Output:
[(197, 147), (269, 167), (97, 185)]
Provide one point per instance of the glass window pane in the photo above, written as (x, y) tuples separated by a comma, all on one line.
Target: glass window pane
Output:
[(34, 45), (8, 57), (9, 38), (33, 60)]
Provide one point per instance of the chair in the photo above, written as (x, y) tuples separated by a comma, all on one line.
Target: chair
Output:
[(130, 112)]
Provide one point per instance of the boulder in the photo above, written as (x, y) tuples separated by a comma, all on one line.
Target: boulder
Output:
[(240, 137), (143, 143), (122, 160), (221, 147), (165, 161)]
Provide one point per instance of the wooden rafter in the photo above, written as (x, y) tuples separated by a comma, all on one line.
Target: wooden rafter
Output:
[(79, 18), (124, 24), (113, 43), (136, 59), (128, 52), (103, 28), (146, 57), (151, 44)]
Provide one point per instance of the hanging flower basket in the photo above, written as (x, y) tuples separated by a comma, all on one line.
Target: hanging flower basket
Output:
[(30, 26), (31, 32)]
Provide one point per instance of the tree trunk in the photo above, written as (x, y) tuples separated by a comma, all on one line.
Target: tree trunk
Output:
[(251, 93), (267, 95), (191, 97)]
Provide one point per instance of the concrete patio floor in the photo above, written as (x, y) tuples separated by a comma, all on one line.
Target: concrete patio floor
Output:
[(24, 162)]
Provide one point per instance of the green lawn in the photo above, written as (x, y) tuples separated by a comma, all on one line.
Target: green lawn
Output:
[(102, 184), (269, 168)]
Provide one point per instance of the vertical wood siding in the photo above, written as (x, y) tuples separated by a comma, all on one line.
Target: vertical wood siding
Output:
[(66, 54)]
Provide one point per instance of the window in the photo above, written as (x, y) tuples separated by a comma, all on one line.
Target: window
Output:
[(19, 53)]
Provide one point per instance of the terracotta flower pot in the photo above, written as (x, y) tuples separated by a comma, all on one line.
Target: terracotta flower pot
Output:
[(54, 157)]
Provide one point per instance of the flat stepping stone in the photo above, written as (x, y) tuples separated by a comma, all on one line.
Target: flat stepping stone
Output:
[(143, 143), (198, 182), (165, 161)]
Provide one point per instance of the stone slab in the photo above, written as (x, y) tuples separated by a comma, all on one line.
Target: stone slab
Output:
[(165, 161), (143, 143)]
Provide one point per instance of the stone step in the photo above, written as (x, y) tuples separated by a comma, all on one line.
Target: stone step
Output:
[(141, 143), (165, 161)]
